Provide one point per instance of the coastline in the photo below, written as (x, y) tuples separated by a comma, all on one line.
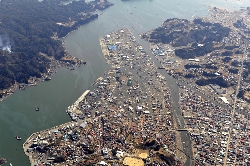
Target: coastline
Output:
[(54, 64), (42, 135), (71, 111), (192, 146), (35, 135), (74, 110), (67, 61)]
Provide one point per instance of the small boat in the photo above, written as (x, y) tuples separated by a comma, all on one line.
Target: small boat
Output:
[(10, 164), (47, 78), (18, 138), (37, 108)]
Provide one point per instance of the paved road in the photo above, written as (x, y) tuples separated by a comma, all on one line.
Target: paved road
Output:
[(174, 88), (234, 104)]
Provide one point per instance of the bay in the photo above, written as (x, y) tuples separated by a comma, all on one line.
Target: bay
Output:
[(17, 112)]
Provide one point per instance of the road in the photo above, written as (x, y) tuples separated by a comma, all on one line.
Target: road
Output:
[(234, 105), (174, 88)]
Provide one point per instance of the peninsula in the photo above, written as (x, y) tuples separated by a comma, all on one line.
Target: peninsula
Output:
[(128, 116), (125, 119)]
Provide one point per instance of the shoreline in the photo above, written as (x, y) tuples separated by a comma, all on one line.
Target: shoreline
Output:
[(74, 109), (34, 136), (4, 93), (68, 62), (34, 81), (90, 120)]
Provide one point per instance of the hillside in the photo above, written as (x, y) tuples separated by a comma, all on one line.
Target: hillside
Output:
[(29, 29)]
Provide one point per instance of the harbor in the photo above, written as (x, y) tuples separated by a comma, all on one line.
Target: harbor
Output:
[(74, 111), (18, 116), (112, 120)]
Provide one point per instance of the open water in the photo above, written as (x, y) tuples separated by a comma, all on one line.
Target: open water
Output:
[(17, 112)]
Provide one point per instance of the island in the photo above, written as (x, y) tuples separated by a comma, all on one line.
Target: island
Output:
[(30, 38)]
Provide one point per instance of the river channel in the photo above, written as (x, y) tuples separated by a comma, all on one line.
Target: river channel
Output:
[(17, 112)]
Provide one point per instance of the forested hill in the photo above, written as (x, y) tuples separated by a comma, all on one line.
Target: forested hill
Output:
[(29, 27), (182, 33)]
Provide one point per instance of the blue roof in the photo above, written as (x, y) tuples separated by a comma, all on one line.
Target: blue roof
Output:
[(112, 47), (158, 52)]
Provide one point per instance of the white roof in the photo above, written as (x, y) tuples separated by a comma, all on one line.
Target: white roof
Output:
[(119, 154), (170, 50), (139, 107), (224, 100), (103, 163), (83, 124)]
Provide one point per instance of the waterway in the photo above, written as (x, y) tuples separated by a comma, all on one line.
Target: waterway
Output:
[(17, 112)]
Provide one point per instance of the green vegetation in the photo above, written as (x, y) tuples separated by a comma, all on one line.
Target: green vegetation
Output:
[(246, 71), (181, 32), (239, 24), (188, 66), (227, 59), (244, 94), (227, 53), (192, 52), (233, 70), (218, 81), (231, 47), (29, 28)]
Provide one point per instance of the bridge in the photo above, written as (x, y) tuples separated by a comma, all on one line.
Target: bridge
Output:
[(185, 129)]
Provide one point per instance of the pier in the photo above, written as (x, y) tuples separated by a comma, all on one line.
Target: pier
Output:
[(73, 111), (127, 109)]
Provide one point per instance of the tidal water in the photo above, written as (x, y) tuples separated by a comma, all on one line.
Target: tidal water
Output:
[(17, 112)]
